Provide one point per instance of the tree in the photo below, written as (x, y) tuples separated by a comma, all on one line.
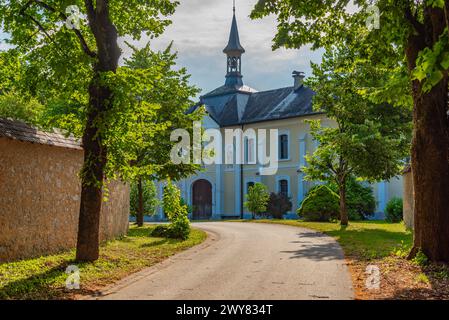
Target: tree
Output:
[(143, 199), (410, 35), (80, 63), (176, 212), (172, 93), (14, 102), (369, 141), (257, 199), (279, 205)]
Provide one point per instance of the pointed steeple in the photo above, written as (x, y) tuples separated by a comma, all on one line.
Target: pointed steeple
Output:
[(234, 45), (234, 51)]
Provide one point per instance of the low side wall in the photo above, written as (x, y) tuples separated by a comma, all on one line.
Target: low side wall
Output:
[(40, 200)]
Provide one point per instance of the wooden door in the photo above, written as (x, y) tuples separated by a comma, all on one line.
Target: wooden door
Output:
[(202, 200)]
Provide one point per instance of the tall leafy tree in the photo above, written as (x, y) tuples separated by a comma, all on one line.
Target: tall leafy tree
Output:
[(369, 141), (77, 63), (172, 94), (413, 33)]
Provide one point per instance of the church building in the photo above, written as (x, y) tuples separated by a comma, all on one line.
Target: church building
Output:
[(219, 191)]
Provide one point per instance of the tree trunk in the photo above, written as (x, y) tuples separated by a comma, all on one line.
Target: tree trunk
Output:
[(344, 219), (95, 153), (430, 151), (430, 164), (140, 213)]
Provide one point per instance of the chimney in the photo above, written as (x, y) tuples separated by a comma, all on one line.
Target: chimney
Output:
[(299, 79)]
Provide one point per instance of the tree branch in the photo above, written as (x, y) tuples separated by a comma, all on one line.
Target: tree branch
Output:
[(418, 26), (77, 32), (90, 10)]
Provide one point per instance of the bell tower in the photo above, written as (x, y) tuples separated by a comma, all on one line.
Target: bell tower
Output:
[(234, 51)]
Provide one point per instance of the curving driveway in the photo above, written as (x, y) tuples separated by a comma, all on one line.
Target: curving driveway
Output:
[(246, 261)]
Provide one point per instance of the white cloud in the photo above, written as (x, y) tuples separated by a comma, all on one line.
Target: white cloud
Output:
[(200, 31)]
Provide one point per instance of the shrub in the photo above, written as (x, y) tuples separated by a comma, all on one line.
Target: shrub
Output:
[(278, 205), (150, 200), (360, 199), (394, 210), (320, 205), (161, 231), (257, 199), (176, 212)]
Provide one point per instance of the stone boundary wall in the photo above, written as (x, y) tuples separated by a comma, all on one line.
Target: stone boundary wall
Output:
[(40, 200)]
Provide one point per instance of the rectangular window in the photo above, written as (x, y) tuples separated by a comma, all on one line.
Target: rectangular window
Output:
[(283, 147), (283, 187), (250, 151)]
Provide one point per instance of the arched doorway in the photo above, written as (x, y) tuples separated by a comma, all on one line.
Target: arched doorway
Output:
[(202, 200)]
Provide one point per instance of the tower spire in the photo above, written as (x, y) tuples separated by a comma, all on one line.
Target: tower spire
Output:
[(234, 51)]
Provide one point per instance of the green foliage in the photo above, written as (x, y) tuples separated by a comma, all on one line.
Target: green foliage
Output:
[(279, 205), (394, 211), (432, 63), (370, 140), (16, 107), (420, 259), (321, 205), (360, 199), (176, 213), (257, 199), (324, 24), (150, 200), (56, 70)]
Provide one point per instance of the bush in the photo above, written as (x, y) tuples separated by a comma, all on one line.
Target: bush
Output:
[(360, 199), (161, 231), (394, 210), (150, 200), (257, 199), (279, 205), (320, 205), (177, 214)]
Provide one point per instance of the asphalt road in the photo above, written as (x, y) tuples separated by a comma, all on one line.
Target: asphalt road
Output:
[(245, 261)]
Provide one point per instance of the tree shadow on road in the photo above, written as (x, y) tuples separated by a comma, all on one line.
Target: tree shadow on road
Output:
[(317, 251)]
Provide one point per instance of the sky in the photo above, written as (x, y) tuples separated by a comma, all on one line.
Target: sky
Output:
[(200, 31)]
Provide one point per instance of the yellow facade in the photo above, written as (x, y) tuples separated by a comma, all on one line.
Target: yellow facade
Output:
[(226, 181)]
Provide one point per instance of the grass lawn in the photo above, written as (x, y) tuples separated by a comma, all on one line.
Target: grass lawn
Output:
[(44, 278), (384, 245)]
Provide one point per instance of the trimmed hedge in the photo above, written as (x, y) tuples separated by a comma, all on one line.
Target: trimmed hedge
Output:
[(320, 205)]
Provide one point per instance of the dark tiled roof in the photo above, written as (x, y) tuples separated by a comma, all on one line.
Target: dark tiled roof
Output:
[(229, 90), (230, 106), (20, 131)]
